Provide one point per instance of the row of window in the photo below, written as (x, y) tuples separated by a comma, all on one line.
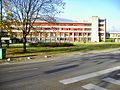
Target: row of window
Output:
[(87, 29), (101, 25), (102, 20), (60, 34), (62, 24), (115, 35)]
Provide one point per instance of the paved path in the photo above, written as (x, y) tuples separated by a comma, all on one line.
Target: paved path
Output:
[(41, 58)]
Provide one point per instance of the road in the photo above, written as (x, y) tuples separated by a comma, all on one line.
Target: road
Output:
[(98, 71)]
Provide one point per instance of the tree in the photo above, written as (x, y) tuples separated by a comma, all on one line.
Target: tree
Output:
[(26, 12), (1, 23), (5, 20)]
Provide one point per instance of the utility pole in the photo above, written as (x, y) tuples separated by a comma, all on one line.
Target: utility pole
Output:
[(1, 25)]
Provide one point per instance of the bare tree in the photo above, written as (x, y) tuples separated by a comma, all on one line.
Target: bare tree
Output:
[(26, 12)]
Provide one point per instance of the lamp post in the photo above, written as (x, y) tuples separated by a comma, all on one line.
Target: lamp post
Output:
[(1, 24)]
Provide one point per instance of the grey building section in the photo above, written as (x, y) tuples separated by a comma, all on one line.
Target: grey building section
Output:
[(115, 36)]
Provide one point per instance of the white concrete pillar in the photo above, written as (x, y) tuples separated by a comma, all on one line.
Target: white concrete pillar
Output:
[(95, 29), (73, 37)]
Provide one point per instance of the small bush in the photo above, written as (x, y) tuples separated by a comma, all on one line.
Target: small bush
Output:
[(110, 40), (50, 44)]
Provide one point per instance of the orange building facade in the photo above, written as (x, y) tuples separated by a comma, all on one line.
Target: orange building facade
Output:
[(93, 30)]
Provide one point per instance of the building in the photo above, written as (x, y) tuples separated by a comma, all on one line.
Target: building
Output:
[(93, 30), (114, 35)]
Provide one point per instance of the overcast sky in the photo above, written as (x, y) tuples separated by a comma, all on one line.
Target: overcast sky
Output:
[(83, 9)]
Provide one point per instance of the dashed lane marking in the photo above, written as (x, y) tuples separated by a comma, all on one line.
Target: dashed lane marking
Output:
[(118, 74), (24, 70), (111, 80), (93, 87), (87, 76)]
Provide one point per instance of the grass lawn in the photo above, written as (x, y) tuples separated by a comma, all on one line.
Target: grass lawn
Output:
[(15, 50)]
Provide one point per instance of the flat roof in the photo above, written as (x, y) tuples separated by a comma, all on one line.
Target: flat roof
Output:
[(66, 22), (114, 32)]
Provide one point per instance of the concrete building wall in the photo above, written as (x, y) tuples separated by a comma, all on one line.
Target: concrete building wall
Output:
[(95, 29)]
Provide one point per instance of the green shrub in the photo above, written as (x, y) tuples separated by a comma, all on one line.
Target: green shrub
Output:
[(110, 40), (50, 44)]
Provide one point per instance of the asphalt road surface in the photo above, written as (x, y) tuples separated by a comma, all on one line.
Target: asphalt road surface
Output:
[(100, 71)]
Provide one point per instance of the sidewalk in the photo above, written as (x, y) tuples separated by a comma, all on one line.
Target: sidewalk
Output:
[(43, 58)]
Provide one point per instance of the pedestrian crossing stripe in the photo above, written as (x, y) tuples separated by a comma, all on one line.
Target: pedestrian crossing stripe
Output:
[(111, 80), (93, 87), (90, 75), (118, 74)]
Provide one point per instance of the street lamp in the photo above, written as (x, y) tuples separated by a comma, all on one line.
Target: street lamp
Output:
[(1, 24)]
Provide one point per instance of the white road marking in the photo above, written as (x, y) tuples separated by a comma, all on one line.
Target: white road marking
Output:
[(93, 87), (24, 70), (87, 76), (111, 80)]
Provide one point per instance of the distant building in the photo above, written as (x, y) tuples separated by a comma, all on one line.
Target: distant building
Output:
[(93, 30), (113, 35)]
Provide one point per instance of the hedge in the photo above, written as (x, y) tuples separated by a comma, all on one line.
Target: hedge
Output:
[(110, 40), (50, 44)]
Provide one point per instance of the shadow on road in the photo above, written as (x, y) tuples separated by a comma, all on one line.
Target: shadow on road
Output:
[(61, 69)]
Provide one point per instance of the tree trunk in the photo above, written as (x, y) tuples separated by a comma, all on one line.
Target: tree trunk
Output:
[(7, 46), (24, 44)]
